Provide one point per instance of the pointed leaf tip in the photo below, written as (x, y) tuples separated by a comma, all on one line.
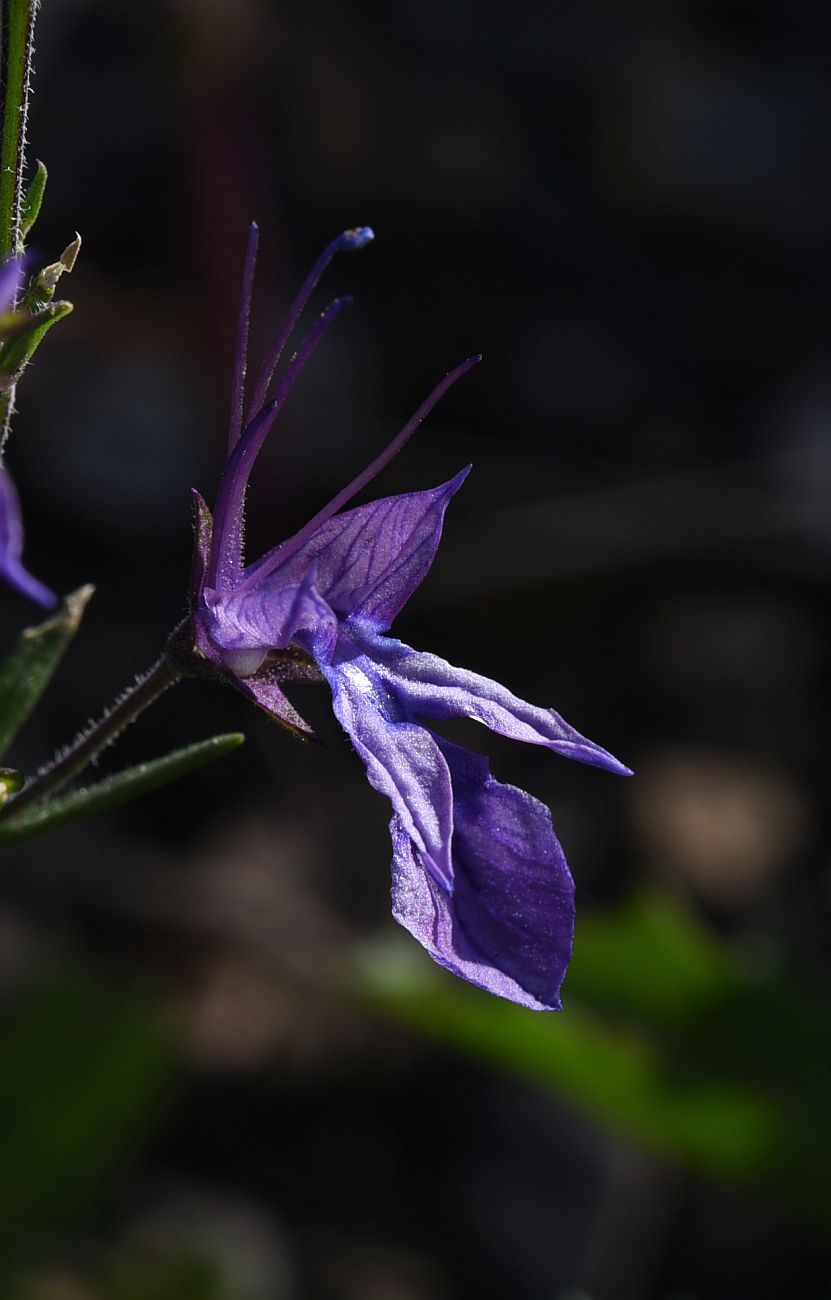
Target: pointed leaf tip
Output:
[(68, 616), (27, 670), (33, 199)]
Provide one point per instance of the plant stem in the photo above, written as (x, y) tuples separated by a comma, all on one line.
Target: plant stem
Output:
[(17, 26), (17, 22), (89, 743)]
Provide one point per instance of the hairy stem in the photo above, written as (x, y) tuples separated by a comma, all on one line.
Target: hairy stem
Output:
[(89, 743), (17, 22), (17, 26)]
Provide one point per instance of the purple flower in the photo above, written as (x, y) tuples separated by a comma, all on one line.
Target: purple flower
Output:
[(11, 273), (478, 876), (11, 547), (11, 527)]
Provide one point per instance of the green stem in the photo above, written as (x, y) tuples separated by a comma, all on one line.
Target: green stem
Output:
[(90, 742), (17, 26), (17, 23)]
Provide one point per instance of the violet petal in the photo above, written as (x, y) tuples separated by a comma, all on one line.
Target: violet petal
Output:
[(271, 617), (371, 559), (430, 687), (402, 759), (11, 274), (11, 547), (508, 924)]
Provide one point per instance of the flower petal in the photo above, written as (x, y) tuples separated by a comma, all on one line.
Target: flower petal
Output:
[(271, 616), (11, 547), (478, 875), (429, 687), (11, 273), (369, 560), (402, 759), (508, 923)]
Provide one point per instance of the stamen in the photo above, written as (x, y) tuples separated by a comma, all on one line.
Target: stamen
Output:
[(281, 554), (226, 550), (349, 241), (241, 353)]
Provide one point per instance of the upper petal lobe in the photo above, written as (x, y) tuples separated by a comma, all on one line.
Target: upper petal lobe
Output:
[(369, 560)]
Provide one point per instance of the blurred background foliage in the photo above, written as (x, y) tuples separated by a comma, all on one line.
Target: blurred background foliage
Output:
[(224, 1075)]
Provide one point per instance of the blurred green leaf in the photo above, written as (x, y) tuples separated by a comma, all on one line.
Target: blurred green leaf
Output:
[(83, 1073), (27, 671), (170, 1279), (614, 1073), (11, 781), (131, 1276), (32, 200), (652, 959), (115, 790)]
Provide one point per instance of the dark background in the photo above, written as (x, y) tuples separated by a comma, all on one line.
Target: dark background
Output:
[(627, 209)]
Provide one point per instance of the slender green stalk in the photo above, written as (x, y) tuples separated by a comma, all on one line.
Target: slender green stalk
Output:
[(17, 23), (89, 743), (17, 27)]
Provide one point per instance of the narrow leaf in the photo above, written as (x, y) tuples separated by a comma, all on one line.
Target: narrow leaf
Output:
[(32, 201), (13, 323), (26, 672), (115, 790), (19, 351)]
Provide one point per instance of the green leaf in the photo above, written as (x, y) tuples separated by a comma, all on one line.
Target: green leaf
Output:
[(26, 672), (19, 350), (32, 200), (84, 1071), (13, 323), (652, 959), (616, 1075), (115, 790)]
